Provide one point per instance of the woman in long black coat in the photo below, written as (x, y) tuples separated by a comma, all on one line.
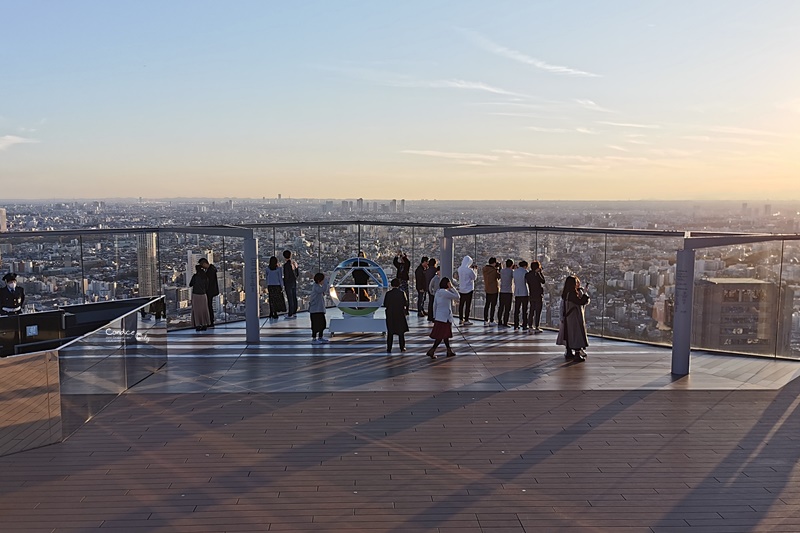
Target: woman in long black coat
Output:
[(396, 303), (572, 331)]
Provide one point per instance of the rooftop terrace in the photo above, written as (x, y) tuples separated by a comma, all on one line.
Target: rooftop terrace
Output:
[(505, 437)]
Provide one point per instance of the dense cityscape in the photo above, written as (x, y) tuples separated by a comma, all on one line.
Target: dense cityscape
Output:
[(631, 278)]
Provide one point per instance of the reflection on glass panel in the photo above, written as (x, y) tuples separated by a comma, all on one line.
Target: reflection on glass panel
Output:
[(789, 317), (640, 288), (581, 255), (48, 269), (737, 304), (99, 366)]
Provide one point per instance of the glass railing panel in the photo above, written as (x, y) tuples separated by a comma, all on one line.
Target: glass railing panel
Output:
[(578, 254), (639, 288), (230, 277), (788, 344), (178, 255), (111, 265), (99, 366), (47, 268), (305, 242), (426, 243), (516, 246), (737, 302)]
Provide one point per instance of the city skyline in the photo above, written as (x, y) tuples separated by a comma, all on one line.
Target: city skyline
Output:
[(467, 101)]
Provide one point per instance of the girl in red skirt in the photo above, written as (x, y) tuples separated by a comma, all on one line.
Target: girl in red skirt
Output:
[(443, 317)]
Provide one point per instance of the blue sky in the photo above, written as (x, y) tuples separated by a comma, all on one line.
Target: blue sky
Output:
[(417, 99)]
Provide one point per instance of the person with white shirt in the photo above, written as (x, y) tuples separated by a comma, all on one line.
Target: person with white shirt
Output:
[(467, 274), (521, 295)]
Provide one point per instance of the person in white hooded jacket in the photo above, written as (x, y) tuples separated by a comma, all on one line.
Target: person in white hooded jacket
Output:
[(467, 274)]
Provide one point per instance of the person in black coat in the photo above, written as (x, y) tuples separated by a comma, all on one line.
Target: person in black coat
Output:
[(213, 287), (422, 285), (12, 297), (395, 303), (535, 280), (403, 266)]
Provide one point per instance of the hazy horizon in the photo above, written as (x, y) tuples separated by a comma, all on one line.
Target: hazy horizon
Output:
[(512, 100)]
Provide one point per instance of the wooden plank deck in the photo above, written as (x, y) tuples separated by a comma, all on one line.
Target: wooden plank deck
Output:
[(505, 437)]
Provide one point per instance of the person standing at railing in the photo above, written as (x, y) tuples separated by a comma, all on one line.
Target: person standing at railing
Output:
[(199, 285), (275, 288), (466, 288), (396, 303), (431, 273), (572, 330), (213, 287), (12, 297), (443, 317), (521, 296), (421, 285), (491, 276), (506, 293), (535, 280), (403, 266), (290, 275)]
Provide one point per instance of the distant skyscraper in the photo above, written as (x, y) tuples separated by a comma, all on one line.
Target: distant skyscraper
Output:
[(148, 264), (3, 220), (767, 210), (360, 205), (374, 207), (393, 206), (402, 206), (345, 208)]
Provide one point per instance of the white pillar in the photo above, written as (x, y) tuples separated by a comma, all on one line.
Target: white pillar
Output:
[(682, 321), (251, 290), (446, 264)]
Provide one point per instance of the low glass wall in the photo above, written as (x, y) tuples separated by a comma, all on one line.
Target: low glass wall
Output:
[(30, 405), (96, 368)]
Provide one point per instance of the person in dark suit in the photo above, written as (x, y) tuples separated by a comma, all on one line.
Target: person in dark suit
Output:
[(12, 297), (396, 303), (212, 289)]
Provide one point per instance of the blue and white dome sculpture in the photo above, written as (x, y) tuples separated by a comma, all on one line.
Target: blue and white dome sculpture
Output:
[(377, 283)]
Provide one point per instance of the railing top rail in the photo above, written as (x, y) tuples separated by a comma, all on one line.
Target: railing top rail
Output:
[(702, 238), (488, 229)]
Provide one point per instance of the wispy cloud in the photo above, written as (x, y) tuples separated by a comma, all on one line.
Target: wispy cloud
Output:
[(592, 106), (587, 131), (6, 141), (500, 50), (725, 140), (460, 84), (461, 156), (547, 130), (630, 125), (394, 79), (742, 131), (618, 148)]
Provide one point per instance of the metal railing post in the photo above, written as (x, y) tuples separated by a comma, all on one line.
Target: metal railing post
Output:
[(682, 321), (251, 289), (447, 257)]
